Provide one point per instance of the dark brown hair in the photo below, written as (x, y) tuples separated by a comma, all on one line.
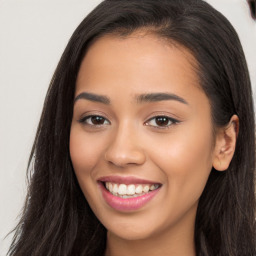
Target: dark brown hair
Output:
[(252, 6), (57, 219)]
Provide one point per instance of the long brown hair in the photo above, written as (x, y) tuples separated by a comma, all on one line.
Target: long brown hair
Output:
[(57, 219)]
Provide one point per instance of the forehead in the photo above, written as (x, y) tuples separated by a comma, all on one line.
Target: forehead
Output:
[(136, 64)]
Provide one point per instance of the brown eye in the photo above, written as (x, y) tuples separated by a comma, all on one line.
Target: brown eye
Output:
[(161, 122), (94, 120), (97, 120)]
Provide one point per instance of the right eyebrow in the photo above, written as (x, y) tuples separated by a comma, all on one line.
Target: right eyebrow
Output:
[(160, 96), (93, 97)]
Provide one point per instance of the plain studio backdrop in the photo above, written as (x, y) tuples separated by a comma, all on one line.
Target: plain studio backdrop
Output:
[(33, 35)]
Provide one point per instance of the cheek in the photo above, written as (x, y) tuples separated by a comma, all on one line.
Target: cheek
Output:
[(85, 151), (185, 158)]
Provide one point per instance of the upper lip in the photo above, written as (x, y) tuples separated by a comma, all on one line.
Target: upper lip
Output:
[(126, 180)]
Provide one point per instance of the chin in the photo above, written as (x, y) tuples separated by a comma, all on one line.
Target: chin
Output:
[(131, 234)]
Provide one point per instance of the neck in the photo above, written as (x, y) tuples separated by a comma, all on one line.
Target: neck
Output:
[(178, 241)]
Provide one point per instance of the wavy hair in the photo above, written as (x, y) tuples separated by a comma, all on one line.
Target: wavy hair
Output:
[(57, 219)]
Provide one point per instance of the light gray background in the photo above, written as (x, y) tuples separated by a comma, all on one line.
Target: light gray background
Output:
[(33, 35)]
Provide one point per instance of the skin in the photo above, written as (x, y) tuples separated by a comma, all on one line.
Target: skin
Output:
[(129, 142)]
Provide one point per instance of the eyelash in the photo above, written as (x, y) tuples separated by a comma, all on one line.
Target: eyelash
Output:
[(86, 118), (170, 121)]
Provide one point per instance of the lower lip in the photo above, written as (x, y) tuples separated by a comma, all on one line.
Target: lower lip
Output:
[(126, 204)]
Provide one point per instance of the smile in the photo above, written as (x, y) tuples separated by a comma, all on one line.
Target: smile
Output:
[(131, 190), (127, 193)]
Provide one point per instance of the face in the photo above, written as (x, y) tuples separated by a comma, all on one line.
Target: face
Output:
[(141, 139)]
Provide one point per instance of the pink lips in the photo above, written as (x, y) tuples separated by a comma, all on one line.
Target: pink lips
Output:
[(126, 204)]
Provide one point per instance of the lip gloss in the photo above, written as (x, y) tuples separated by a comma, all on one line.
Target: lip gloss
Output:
[(126, 204)]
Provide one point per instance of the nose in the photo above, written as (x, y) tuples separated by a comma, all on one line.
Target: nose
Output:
[(124, 148)]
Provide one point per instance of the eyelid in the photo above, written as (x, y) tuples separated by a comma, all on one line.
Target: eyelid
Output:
[(171, 119), (83, 119), (86, 116), (91, 113)]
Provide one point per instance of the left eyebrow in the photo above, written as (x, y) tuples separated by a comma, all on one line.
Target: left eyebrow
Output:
[(93, 97), (154, 97)]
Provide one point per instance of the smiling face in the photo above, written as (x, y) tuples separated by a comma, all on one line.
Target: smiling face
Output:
[(141, 120)]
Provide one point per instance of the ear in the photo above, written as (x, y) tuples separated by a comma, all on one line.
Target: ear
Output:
[(225, 144)]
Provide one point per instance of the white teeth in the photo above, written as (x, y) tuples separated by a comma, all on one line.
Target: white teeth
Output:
[(115, 188), (146, 189), (110, 187), (122, 189), (152, 187), (138, 190), (131, 190)]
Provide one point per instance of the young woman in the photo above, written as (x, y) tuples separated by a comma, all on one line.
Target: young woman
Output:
[(146, 143)]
